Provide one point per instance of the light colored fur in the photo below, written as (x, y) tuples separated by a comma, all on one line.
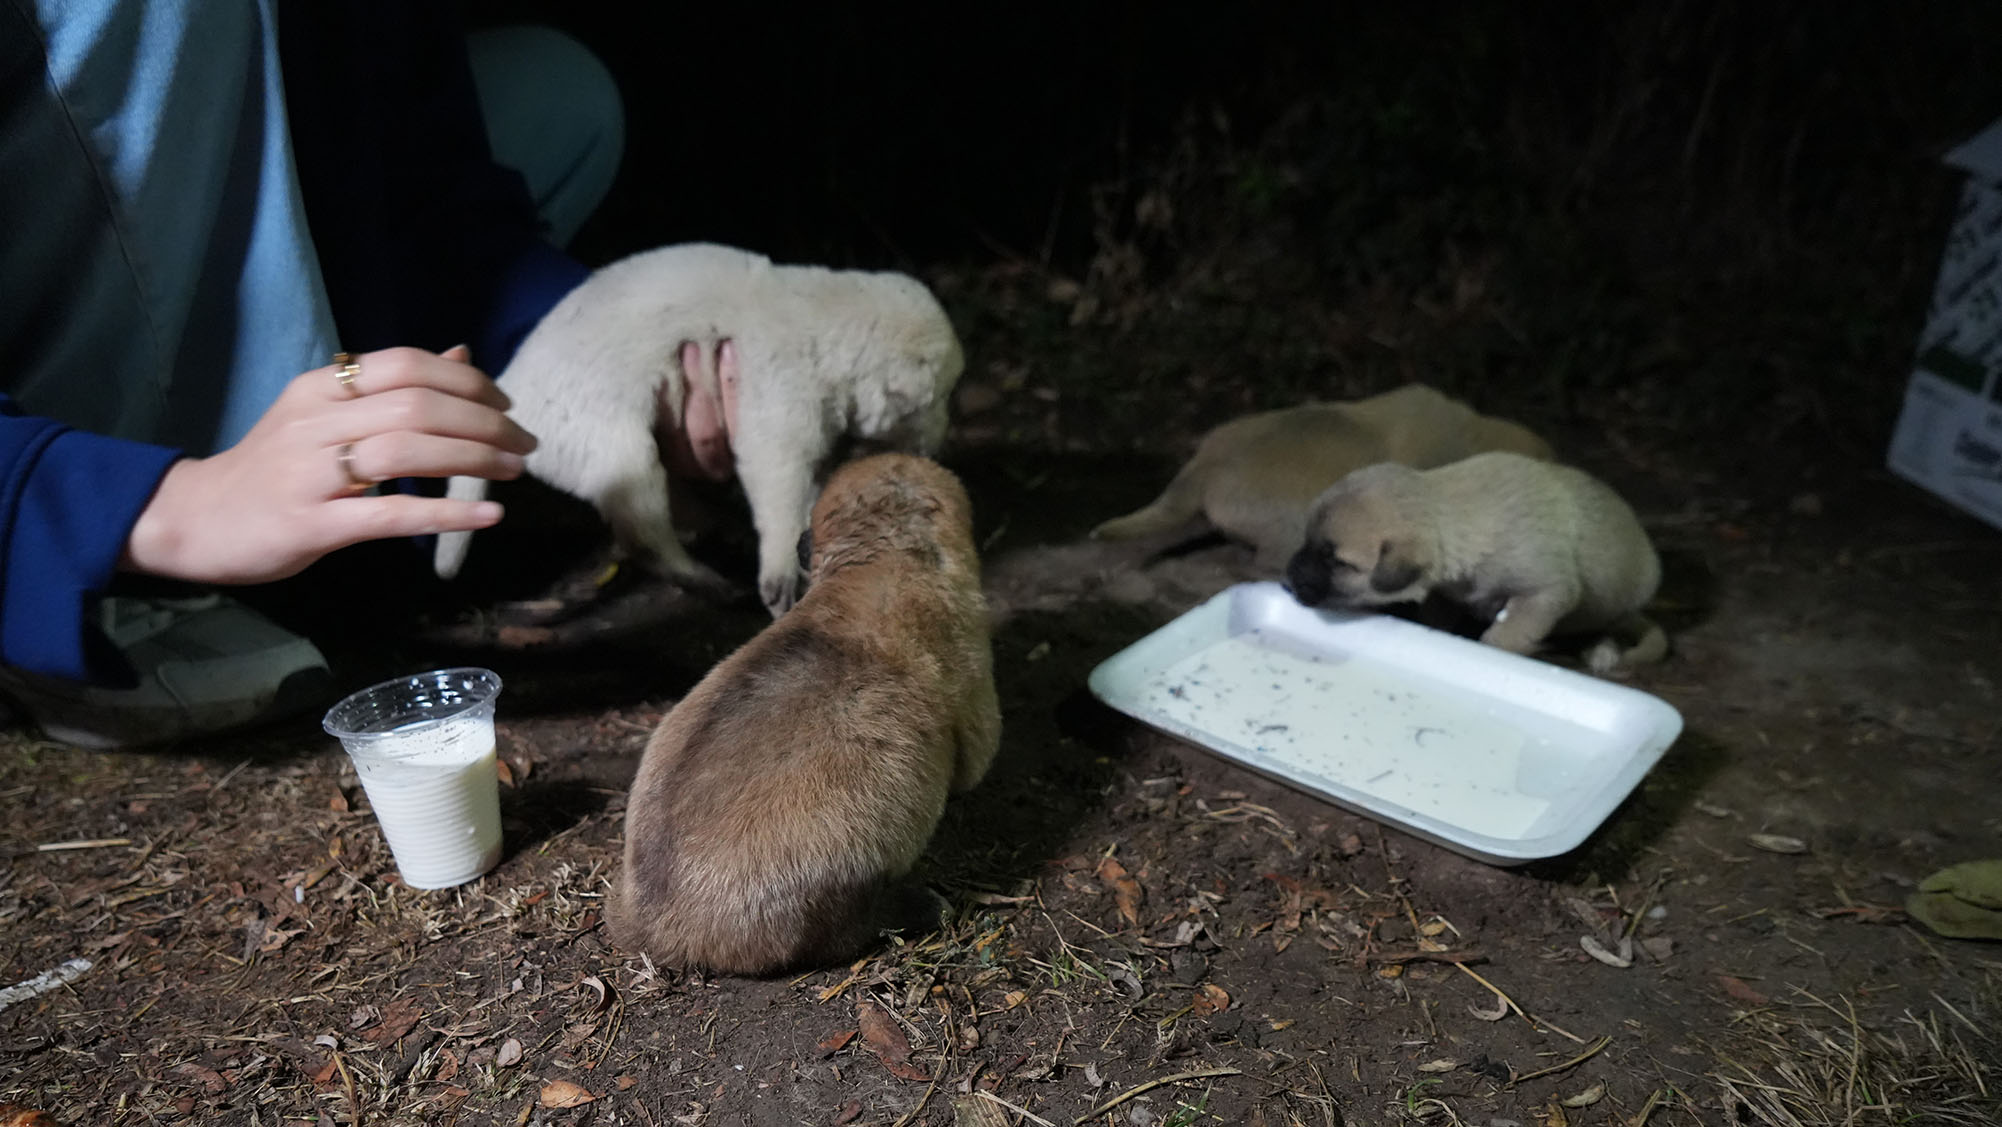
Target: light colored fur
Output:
[(1253, 478), (823, 355), (780, 804), (1542, 548)]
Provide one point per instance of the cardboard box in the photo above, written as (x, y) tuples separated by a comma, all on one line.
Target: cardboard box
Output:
[(1949, 436)]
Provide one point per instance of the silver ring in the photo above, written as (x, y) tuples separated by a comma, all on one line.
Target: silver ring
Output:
[(346, 368)]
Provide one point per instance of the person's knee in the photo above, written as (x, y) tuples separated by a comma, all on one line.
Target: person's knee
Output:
[(553, 113)]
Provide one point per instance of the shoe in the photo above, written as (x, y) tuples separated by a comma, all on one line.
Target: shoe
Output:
[(206, 665)]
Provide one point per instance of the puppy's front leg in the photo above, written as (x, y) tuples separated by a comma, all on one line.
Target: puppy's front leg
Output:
[(778, 482), (1526, 619)]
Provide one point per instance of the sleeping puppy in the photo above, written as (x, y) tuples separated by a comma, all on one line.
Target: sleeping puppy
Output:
[(824, 356), (1534, 547), (780, 805), (1254, 477)]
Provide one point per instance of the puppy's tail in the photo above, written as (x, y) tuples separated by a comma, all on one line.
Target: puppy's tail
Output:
[(1175, 509), (452, 546), (1650, 644)]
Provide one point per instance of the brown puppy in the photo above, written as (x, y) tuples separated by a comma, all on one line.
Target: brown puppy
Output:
[(780, 804), (1253, 478), (1534, 547)]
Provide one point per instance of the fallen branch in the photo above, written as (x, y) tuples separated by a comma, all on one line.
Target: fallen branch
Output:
[(1149, 1086), (1579, 1059)]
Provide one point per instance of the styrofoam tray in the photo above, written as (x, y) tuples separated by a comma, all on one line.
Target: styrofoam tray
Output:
[(1501, 757)]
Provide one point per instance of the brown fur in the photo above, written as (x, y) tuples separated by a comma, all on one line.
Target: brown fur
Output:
[(1254, 477), (781, 803)]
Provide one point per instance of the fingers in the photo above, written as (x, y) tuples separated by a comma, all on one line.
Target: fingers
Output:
[(356, 519), (395, 454), (391, 368), (703, 437), (425, 410)]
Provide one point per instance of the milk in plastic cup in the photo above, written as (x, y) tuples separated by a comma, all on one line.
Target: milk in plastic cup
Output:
[(423, 747)]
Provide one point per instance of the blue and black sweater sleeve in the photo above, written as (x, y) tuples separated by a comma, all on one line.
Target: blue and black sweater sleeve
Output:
[(68, 501)]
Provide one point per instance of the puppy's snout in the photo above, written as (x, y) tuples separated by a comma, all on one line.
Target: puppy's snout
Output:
[(1307, 574)]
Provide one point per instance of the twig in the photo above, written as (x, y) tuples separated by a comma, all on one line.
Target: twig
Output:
[(1579, 1059), (1149, 1086), (1653, 1101), (1016, 1108), (348, 1082), (908, 1117), (90, 843), (1510, 1003), (225, 780)]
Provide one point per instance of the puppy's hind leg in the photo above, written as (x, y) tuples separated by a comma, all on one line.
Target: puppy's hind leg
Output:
[(1175, 510), (634, 502)]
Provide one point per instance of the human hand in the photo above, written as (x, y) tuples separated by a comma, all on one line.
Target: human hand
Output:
[(700, 446), (293, 489)]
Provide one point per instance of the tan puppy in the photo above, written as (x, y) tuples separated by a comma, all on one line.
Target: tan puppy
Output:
[(780, 804), (1538, 547), (1253, 478)]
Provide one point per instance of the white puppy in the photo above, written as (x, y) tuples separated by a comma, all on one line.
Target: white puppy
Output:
[(823, 355)]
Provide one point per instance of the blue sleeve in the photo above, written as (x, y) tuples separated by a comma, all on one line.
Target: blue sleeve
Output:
[(68, 500)]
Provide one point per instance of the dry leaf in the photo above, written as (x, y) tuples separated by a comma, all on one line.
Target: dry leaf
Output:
[(448, 1066), (505, 772), (849, 1113), (1126, 892), (275, 938), (523, 637), (1440, 1065), (1586, 1098), (972, 1111), (596, 986), (1623, 959), (509, 1054), (1777, 843), (1499, 1012), (625, 1082), (14, 1115), (209, 1077), (562, 1093), (835, 1042), (885, 1039), (398, 1018), (1553, 1116), (1737, 988), (1013, 998), (338, 804), (1211, 999)]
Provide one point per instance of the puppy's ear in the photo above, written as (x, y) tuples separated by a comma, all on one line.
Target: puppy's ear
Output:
[(805, 549), (1396, 567)]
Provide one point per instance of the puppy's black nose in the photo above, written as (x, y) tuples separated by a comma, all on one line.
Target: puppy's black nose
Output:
[(1307, 577)]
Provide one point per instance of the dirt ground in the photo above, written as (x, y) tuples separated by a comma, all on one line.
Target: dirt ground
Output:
[(1142, 933)]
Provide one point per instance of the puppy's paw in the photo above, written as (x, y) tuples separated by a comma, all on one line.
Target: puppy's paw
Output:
[(1604, 656), (781, 591)]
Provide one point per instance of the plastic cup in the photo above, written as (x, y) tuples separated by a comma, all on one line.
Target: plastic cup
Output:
[(424, 749)]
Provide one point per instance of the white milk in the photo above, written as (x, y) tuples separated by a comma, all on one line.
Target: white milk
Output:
[(437, 797), (1370, 729)]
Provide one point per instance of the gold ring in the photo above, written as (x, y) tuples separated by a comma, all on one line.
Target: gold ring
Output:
[(346, 457), (346, 368)]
